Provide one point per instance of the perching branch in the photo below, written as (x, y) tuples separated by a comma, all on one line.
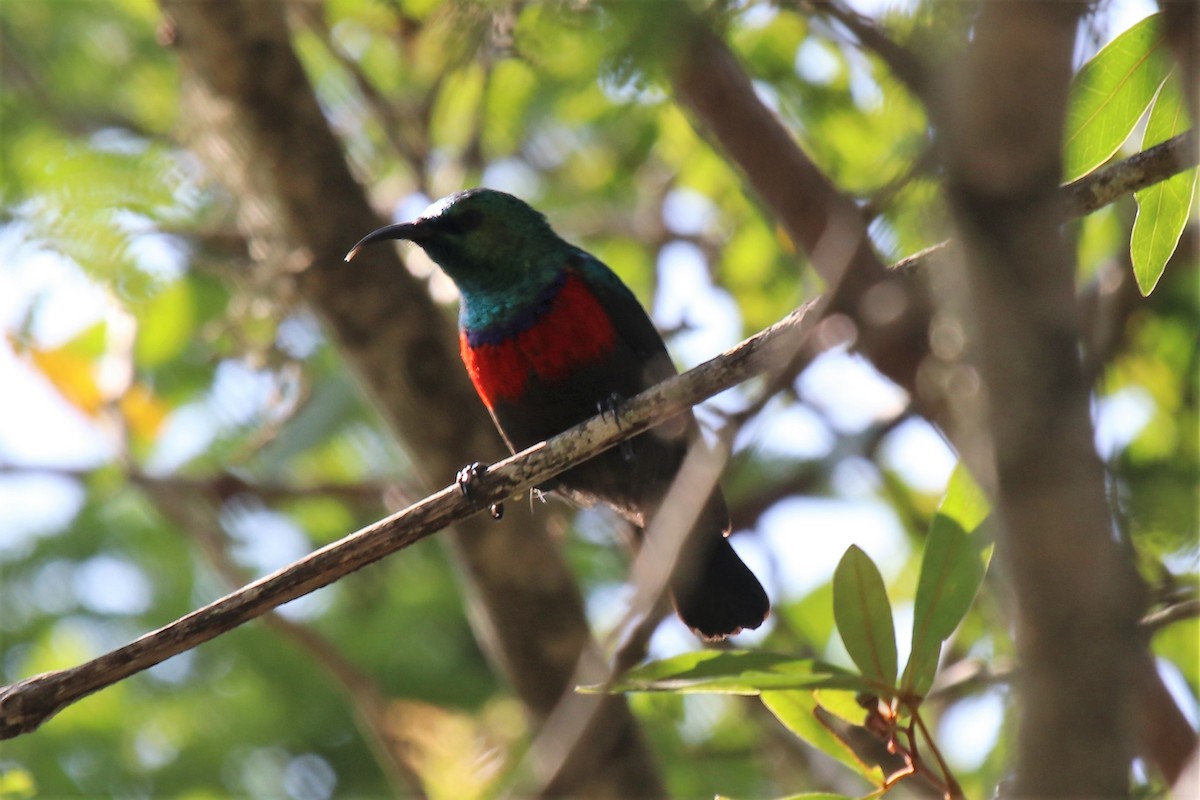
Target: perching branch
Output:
[(252, 115), (27, 704)]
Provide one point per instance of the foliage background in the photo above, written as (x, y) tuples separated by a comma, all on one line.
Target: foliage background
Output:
[(174, 421)]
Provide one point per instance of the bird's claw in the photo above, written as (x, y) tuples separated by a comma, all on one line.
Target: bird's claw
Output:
[(611, 404), (468, 476), (466, 479)]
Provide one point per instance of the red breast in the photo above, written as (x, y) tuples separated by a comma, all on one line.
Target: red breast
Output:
[(574, 331)]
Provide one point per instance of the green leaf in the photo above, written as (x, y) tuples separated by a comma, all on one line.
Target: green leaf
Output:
[(864, 616), (1110, 93), (90, 343), (509, 90), (771, 48), (165, 325), (1164, 208), (842, 705), (16, 783), (798, 713), (964, 502), (952, 569), (733, 672), (809, 616), (455, 111), (1179, 643)]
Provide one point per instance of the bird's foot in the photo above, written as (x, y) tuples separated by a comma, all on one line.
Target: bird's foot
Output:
[(611, 404), (468, 476), (466, 479)]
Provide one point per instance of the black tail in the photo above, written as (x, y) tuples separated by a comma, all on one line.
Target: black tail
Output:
[(720, 596)]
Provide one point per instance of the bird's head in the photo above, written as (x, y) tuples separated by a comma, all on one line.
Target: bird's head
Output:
[(482, 238)]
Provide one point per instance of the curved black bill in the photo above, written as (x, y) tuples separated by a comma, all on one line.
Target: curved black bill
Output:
[(401, 230)]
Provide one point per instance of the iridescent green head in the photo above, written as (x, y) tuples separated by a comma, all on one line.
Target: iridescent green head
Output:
[(486, 241)]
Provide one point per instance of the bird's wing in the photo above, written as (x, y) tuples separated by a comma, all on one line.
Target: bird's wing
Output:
[(629, 318), (657, 454)]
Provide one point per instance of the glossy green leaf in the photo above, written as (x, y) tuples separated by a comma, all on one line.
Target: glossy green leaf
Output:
[(1164, 208), (798, 713), (952, 569), (733, 672), (1110, 93), (864, 616)]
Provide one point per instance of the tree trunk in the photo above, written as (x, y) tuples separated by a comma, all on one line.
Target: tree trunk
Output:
[(1077, 595)]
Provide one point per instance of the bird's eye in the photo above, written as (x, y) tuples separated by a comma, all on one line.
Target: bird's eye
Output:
[(468, 220), (455, 222), (461, 222)]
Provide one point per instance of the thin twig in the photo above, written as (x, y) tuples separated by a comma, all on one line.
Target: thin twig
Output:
[(1105, 186), (952, 787), (224, 485), (386, 114), (1189, 609), (969, 676), (1152, 165), (903, 62), (27, 704)]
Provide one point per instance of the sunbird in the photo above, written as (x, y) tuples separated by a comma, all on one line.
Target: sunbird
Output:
[(550, 337)]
